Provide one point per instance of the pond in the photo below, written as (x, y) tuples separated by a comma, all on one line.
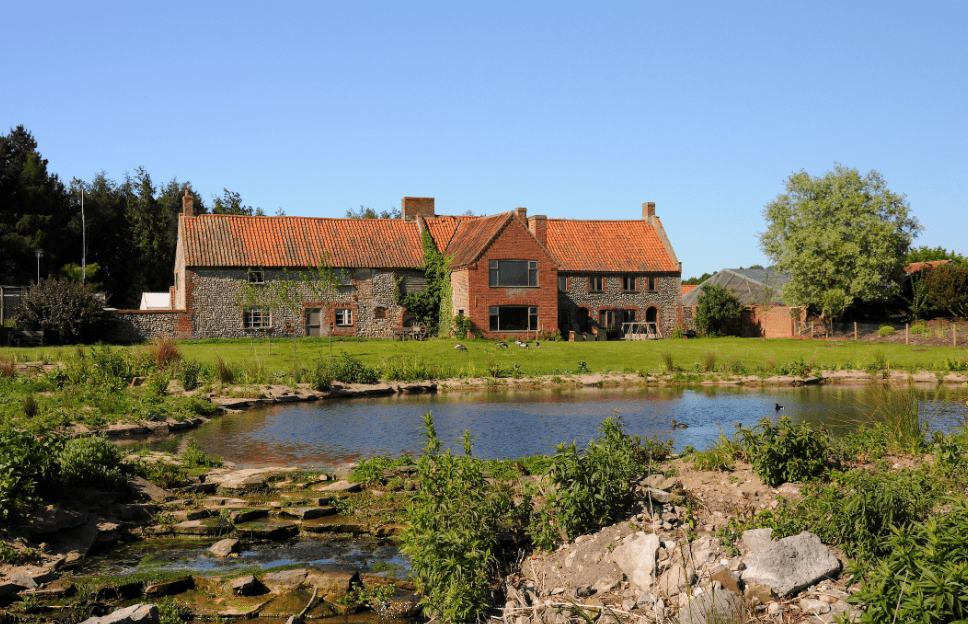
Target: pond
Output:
[(514, 423)]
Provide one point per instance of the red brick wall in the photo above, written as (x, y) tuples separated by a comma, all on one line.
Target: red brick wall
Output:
[(513, 243), (770, 322)]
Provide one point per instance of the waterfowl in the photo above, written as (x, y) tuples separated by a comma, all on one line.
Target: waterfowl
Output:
[(678, 425), (501, 345), (460, 347), (778, 406)]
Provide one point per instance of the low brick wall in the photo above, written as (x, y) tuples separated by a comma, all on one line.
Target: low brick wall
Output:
[(143, 325)]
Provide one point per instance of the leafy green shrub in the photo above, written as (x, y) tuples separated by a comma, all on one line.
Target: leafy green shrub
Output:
[(718, 310), (189, 373), (786, 452), (156, 384), (194, 457), (453, 524), (320, 377), (66, 311), (370, 469), (349, 369), (886, 330), (582, 367), (924, 576), (27, 465), (947, 287), (90, 462), (919, 328), (590, 488), (719, 456), (460, 325)]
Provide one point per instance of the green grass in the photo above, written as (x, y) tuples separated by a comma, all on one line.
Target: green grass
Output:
[(552, 358)]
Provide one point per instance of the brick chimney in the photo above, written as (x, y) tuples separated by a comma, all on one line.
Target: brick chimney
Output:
[(538, 225), (418, 206), (522, 214), (188, 205), (648, 212)]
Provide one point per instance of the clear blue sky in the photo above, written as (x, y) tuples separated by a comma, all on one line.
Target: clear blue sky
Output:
[(572, 109)]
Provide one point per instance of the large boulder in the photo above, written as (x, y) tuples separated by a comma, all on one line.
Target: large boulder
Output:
[(636, 558), (712, 606), (791, 564)]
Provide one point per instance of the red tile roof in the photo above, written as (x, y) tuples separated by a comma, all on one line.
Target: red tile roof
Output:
[(608, 246), (914, 267), (442, 228), (229, 240), (687, 287), (471, 238)]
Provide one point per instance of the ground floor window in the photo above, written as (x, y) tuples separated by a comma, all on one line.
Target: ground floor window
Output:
[(256, 318), (606, 318), (344, 316), (628, 316), (514, 318)]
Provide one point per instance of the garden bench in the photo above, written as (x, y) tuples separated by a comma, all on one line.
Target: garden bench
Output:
[(25, 338)]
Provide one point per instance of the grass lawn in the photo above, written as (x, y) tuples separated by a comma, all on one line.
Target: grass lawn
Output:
[(553, 358)]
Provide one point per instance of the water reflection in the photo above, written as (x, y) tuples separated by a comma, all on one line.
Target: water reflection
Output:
[(515, 423)]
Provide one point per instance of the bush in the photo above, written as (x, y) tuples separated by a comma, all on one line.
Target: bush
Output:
[(885, 331), (194, 457), (947, 286), (164, 352), (451, 537), (349, 369), (924, 576), (90, 462), (786, 452), (189, 374), (67, 312), (27, 465), (718, 309), (590, 488)]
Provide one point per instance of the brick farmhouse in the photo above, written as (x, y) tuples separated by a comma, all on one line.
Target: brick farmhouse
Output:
[(510, 274)]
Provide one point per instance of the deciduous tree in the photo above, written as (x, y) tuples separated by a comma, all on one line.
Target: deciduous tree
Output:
[(843, 237), (718, 308)]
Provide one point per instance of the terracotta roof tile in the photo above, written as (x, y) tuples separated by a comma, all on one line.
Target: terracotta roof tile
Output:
[(608, 246), (471, 238), (687, 287), (442, 228), (229, 240), (914, 267)]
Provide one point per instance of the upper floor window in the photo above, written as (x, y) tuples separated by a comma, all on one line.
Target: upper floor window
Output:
[(257, 276), (628, 283), (562, 283), (342, 276), (653, 284), (379, 312), (596, 283), (513, 273), (256, 318)]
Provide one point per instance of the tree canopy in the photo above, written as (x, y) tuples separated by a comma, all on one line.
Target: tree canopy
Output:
[(929, 254), (369, 213), (843, 238), (718, 309)]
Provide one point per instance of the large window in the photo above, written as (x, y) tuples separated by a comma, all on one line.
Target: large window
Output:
[(595, 283), (510, 273), (344, 316), (514, 318), (256, 318), (628, 316), (628, 283)]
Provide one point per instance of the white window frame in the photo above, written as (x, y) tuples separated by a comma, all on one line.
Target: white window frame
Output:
[(601, 282), (256, 317), (347, 317), (257, 276)]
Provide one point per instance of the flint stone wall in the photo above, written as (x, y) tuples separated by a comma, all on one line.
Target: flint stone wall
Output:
[(217, 313), (143, 325), (666, 299)]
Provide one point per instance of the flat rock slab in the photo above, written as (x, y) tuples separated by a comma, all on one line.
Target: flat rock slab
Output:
[(756, 540), (791, 564), (247, 515), (208, 526), (309, 513), (226, 547), (247, 478), (338, 486), (146, 489), (285, 580), (135, 614), (712, 607), (50, 519), (636, 558), (170, 588), (268, 530), (334, 582)]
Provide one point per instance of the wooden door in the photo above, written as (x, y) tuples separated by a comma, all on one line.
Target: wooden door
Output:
[(314, 321)]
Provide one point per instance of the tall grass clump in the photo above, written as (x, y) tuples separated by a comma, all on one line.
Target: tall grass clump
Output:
[(350, 369), (667, 361), (224, 372), (408, 369), (590, 487), (164, 352), (7, 366), (451, 537), (709, 361), (890, 423)]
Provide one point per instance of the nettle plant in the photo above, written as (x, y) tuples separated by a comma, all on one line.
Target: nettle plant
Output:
[(785, 452)]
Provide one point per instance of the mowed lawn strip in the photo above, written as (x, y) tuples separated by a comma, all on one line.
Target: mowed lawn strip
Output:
[(553, 358)]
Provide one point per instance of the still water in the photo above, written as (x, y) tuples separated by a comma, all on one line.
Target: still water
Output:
[(513, 423)]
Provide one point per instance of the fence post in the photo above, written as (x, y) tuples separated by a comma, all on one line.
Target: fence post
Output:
[(855, 330), (954, 334), (907, 326)]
